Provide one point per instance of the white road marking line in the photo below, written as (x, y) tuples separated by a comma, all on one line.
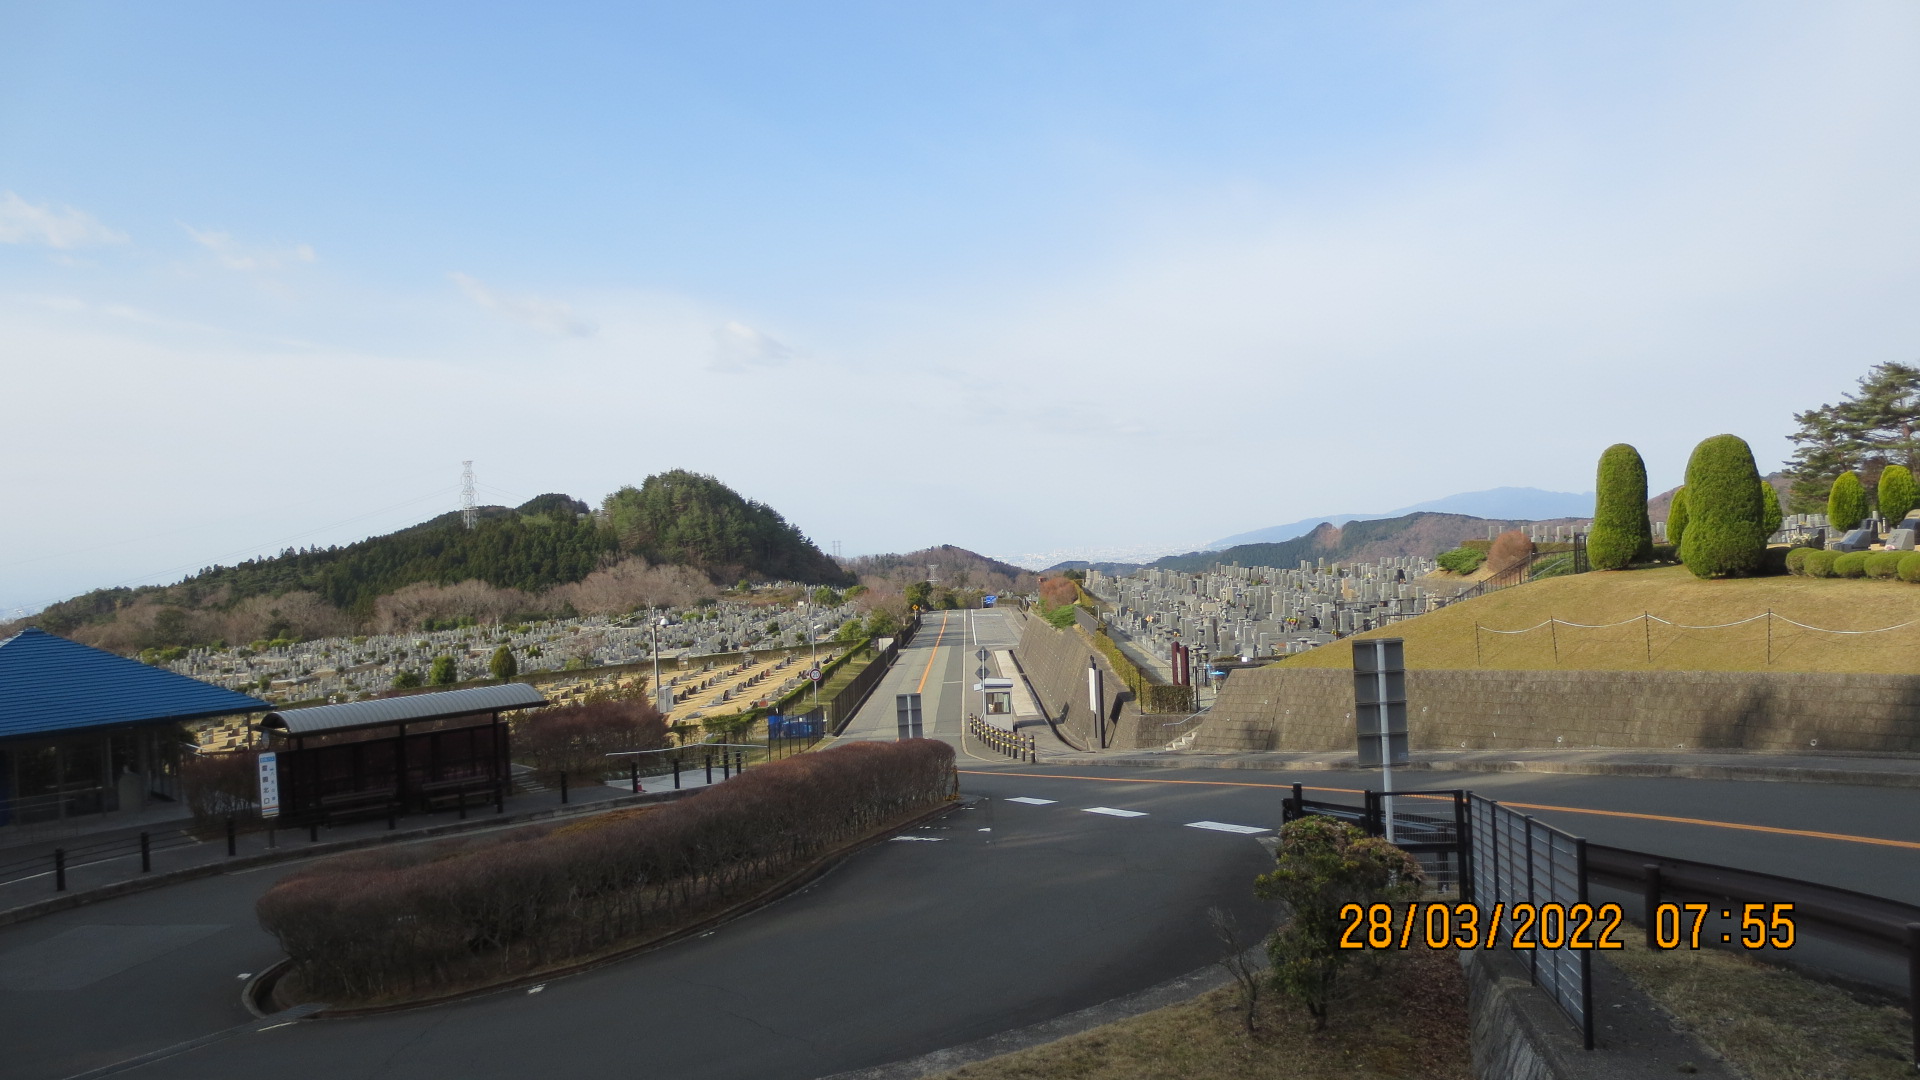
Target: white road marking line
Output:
[(1111, 812), (1033, 802), (928, 839), (1221, 826), (273, 1027)]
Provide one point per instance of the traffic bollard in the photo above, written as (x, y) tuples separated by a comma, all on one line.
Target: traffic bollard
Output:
[(563, 785), (233, 838), (709, 768), (676, 774), (146, 854), (634, 769), (726, 765), (59, 869)]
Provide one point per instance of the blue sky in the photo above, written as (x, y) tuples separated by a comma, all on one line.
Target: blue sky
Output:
[(1016, 277)]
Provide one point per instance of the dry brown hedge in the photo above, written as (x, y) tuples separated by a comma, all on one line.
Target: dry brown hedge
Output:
[(427, 918)]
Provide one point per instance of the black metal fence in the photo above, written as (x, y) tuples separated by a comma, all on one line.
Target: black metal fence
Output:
[(1517, 860)]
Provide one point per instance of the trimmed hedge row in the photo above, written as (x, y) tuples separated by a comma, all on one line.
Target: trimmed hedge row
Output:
[(429, 918), (1883, 565)]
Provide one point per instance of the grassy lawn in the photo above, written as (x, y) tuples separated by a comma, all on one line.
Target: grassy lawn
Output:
[(1405, 1020), (1769, 1022), (1445, 638)]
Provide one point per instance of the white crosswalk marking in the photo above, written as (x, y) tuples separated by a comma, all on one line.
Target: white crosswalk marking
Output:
[(1221, 826), (1034, 802), (1111, 812)]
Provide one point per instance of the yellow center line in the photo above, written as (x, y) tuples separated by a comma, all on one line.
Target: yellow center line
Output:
[(931, 654), (1878, 841)]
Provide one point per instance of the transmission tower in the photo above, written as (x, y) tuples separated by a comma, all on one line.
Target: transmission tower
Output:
[(468, 515)]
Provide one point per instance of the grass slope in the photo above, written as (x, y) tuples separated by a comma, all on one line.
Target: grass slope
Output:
[(1445, 638)]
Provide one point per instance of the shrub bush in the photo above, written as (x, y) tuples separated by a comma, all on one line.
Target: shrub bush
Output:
[(1819, 563), (1846, 502), (1898, 493), (429, 917), (1322, 866), (1910, 566), (1677, 517), (1621, 534), (1666, 553), (1770, 516), (1724, 536), (1797, 560), (217, 785), (1884, 565), (1851, 565), (576, 739), (1509, 550), (1461, 560)]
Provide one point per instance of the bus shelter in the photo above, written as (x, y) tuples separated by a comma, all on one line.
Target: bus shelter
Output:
[(395, 755)]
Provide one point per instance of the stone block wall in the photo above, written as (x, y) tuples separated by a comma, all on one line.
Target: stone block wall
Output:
[(1055, 662), (1307, 709)]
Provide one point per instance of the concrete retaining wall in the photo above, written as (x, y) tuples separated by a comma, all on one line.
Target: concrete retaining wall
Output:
[(1055, 662), (1277, 708)]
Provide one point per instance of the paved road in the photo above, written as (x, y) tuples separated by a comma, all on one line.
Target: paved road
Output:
[(911, 946), (939, 665)]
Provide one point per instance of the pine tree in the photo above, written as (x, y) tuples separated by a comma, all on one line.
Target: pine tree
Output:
[(1621, 533), (1898, 493), (1846, 502), (1677, 518), (1724, 536)]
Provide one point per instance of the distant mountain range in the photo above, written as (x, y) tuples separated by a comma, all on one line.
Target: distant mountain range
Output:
[(1499, 504)]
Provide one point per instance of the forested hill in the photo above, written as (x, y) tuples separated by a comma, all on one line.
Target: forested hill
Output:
[(676, 519)]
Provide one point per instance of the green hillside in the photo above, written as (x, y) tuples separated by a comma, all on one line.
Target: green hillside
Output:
[(1423, 534), (675, 518), (1620, 600)]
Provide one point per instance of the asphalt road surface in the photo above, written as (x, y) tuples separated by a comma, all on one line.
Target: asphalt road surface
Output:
[(1095, 886)]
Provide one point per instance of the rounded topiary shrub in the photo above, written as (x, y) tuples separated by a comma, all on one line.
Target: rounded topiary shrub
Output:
[(1621, 534), (1819, 563), (1884, 564), (1898, 493), (1797, 560), (1851, 565), (1910, 566), (1846, 502), (1725, 534)]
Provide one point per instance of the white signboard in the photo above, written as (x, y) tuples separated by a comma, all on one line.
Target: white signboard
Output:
[(269, 784)]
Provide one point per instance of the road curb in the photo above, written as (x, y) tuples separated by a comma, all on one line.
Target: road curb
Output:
[(68, 901)]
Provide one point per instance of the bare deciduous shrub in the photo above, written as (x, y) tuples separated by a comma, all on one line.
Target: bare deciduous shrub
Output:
[(576, 739), (391, 923), (216, 785), (1509, 549)]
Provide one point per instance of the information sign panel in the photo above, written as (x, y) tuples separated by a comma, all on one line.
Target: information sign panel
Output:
[(269, 784)]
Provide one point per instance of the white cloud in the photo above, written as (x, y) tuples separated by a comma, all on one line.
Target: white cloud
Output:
[(21, 222), (552, 316), (237, 256), (737, 347)]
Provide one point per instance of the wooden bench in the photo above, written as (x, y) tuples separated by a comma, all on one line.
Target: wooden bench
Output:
[(440, 794), (349, 805)]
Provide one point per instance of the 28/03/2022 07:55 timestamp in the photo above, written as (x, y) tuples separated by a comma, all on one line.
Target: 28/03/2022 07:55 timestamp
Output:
[(1553, 926)]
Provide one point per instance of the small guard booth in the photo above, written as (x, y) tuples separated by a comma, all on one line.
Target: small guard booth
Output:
[(395, 755)]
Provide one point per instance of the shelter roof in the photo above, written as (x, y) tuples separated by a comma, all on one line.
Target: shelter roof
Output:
[(412, 709), (51, 684)]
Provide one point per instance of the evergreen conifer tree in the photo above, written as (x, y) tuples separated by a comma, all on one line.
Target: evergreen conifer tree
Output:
[(1677, 518), (503, 666), (1770, 515), (1846, 502), (1723, 535), (1621, 533), (1898, 493), (444, 673)]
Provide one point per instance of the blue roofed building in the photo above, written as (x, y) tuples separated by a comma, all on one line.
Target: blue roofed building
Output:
[(83, 731)]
